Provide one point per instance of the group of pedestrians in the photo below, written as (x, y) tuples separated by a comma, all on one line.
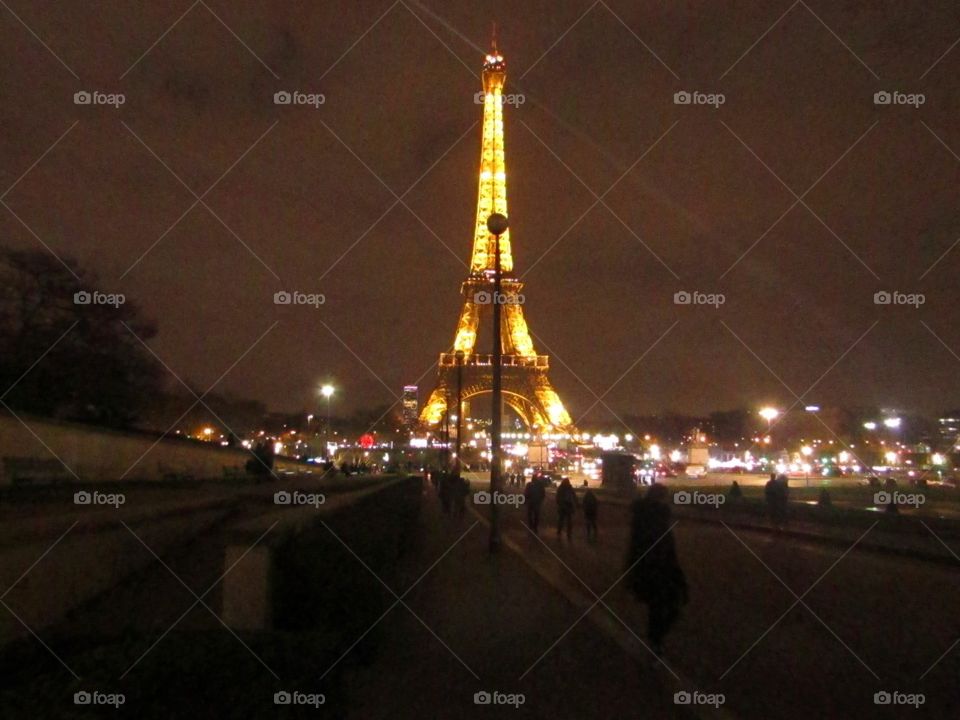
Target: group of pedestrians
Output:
[(567, 503), (776, 493), (452, 489), (653, 571)]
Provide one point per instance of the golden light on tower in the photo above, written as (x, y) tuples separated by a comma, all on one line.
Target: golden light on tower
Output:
[(527, 389), (492, 189)]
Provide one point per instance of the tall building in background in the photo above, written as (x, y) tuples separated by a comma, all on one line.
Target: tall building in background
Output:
[(411, 405), (526, 387)]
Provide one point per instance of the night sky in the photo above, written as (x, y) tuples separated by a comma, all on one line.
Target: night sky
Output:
[(706, 199)]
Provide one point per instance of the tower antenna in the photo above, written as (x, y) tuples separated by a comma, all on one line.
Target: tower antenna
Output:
[(494, 40)]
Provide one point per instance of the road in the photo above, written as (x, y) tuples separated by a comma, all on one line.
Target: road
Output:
[(782, 628)]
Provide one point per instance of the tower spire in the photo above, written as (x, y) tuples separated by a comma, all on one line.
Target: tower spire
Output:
[(526, 387), (492, 189)]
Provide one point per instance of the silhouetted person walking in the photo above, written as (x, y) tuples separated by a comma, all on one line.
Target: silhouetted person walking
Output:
[(777, 494), (533, 495), (566, 504), (655, 574), (590, 513), (446, 491), (461, 488)]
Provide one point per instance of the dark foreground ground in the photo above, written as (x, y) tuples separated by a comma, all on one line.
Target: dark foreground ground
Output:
[(524, 626)]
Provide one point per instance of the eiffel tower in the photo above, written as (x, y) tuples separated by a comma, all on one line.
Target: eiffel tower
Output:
[(526, 387)]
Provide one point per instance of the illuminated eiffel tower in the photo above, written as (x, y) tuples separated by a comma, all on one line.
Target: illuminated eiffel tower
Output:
[(526, 387)]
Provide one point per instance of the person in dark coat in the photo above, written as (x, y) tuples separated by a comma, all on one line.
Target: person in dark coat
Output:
[(656, 577), (446, 491), (590, 513), (566, 504), (460, 491), (777, 494), (533, 495)]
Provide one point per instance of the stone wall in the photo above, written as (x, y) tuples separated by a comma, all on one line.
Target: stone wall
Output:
[(71, 451)]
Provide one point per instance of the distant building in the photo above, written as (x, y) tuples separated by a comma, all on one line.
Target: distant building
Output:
[(411, 405), (948, 428)]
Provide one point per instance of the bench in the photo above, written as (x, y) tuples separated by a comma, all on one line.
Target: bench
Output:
[(27, 470)]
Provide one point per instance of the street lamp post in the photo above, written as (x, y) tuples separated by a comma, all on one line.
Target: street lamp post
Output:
[(769, 414), (327, 392), (459, 356), (446, 431), (497, 225)]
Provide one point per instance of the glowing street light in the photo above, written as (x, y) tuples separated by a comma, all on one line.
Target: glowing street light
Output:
[(769, 414), (892, 422), (327, 391), (870, 425)]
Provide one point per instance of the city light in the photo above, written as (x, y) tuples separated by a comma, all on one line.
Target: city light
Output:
[(870, 425), (892, 422), (327, 391), (769, 413)]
